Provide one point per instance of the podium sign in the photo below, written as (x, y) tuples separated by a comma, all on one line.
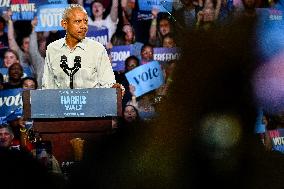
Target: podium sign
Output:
[(64, 103)]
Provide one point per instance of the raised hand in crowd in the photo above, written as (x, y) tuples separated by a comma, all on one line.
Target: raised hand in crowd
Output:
[(34, 22), (23, 48), (37, 51), (153, 28)]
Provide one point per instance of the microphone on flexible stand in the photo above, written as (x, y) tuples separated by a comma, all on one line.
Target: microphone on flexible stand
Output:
[(75, 68), (64, 65)]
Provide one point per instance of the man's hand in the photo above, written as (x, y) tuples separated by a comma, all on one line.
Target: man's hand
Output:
[(119, 86)]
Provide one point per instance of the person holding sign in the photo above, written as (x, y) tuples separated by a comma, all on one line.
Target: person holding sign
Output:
[(23, 48), (76, 61), (97, 16)]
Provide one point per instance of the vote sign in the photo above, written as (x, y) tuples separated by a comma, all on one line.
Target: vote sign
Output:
[(146, 77)]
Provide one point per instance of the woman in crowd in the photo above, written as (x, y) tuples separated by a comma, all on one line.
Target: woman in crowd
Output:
[(130, 39), (208, 16), (98, 17), (159, 28), (23, 48), (145, 104), (10, 57), (129, 117), (29, 83)]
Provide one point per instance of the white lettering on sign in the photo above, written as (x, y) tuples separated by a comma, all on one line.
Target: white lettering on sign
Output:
[(28, 7), (145, 76), (51, 17), (11, 100), (120, 56), (5, 3)]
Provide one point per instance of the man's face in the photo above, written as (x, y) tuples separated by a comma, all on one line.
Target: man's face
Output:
[(98, 9), (5, 138), (9, 59), (164, 27), (76, 25)]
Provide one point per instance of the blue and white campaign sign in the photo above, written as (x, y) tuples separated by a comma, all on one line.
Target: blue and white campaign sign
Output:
[(144, 15), (23, 9), (42, 2), (61, 103), (269, 32), (49, 17), (277, 139), (161, 5), (118, 56), (166, 54), (4, 5), (11, 104), (146, 78), (27, 73), (26, 9), (98, 34)]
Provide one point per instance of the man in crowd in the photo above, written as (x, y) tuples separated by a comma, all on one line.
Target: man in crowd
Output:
[(76, 61), (6, 137)]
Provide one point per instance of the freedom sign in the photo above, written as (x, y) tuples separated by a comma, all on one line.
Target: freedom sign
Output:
[(118, 56), (146, 78), (166, 54), (161, 5), (49, 17), (98, 34)]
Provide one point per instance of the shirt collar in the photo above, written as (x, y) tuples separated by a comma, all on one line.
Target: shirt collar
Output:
[(82, 44)]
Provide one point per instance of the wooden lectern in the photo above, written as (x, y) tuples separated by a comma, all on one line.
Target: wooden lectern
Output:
[(61, 115)]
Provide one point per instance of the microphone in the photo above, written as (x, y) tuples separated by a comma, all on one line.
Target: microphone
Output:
[(73, 70), (63, 64), (77, 61), (76, 67)]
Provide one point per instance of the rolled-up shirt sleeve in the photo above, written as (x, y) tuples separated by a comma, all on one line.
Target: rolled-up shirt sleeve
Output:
[(105, 72)]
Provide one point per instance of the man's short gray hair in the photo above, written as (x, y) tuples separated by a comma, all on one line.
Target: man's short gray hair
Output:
[(71, 7)]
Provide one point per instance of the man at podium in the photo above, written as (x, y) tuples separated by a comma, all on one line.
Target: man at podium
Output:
[(76, 61)]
